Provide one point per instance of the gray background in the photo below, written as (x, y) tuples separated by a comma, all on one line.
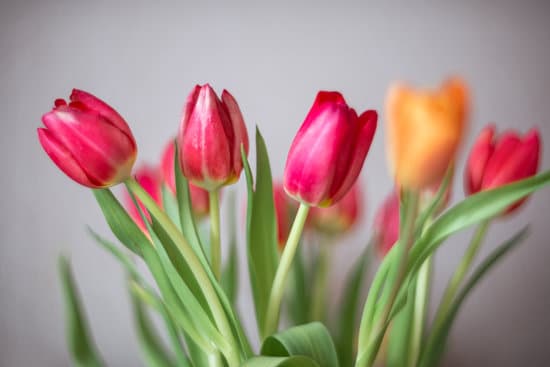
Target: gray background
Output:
[(144, 57)]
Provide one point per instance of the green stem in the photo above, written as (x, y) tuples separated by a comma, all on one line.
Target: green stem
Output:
[(320, 283), (195, 265), (215, 246), (420, 310), (277, 289), (461, 271), (366, 359)]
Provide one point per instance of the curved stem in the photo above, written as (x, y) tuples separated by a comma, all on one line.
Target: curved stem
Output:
[(421, 300), (277, 289), (215, 243)]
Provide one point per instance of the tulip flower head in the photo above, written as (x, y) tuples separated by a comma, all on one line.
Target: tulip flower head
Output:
[(211, 133), (340, 217), (285, 209), (497, 161), (328, 151), (149, 178), (88, 140), (198, 196), (386, 224), (424, 131)]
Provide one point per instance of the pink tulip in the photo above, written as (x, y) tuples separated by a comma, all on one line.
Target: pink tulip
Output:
[(199, 197), (149, 178), (88, 140), (386, 224), (340, 217), (328, 151), (497, 161), (210, 138)]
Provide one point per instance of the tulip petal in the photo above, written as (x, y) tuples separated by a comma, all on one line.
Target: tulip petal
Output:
[(477, 161), (240, 133), (64, 159), (502, 165)]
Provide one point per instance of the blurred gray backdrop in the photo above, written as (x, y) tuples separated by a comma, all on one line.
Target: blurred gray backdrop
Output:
[(143, 57)]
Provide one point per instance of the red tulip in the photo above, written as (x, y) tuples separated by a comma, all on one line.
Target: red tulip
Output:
[(386, 224), (495, 162), (88, 140), (328, 151), (210, 138), (149, 178), (340, 217), (199, 197), (284, 212)]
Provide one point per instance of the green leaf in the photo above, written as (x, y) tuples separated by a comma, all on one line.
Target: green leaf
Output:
[(170, 205), (123, 227), (294, 361), (400, 333), (349, 306), (152, 349), (81, 345), (261, 231), (230, 272), (437, 340), (312, 340), (474, 209), (298, 297)]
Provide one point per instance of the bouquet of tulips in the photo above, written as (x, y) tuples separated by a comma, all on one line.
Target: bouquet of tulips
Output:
[(163, 223)]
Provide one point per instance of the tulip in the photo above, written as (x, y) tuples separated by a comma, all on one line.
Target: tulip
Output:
[(149, 178), (210, 138), (328, 151), (386, 224), (497, 161), (340, 217), (88, 140), (424, 131), (284, 212), (198, 196)]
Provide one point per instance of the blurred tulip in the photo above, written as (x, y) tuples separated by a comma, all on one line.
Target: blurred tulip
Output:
[(340, 217), (149, 178), (88, 140), (424, 131), (328, 151), (210, 138), (285, 210), (386, 224), (198, 196), (495, 162)]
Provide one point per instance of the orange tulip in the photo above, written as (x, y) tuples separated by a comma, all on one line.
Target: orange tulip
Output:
[(424, 131)]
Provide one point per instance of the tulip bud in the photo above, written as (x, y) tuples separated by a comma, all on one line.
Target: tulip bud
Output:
[(494, 162), (340, 217), (328, 151), (210, 138), (284, 212), (88, 140), (424, 131), (386, 224), (149, 178), (198, 196)]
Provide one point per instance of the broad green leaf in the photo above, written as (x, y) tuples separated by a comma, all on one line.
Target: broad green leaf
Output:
[(230, 272), (298, 296), (294, 361), (400, 333), (437, 340), (81, 345), (261, 231), (312, 340), (154, 353), (349, 306), (170, 205), (123, 227)]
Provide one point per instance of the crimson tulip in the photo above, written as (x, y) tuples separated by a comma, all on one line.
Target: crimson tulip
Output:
[(88, 140), (210, 138), (149, 178), (386, 223), (199, 197), (497, 161), (328, 151)]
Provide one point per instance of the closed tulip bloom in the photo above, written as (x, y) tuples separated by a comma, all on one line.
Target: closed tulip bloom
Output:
[(198, 196), (211, 133), (340, 217), (386, 224), (285, 210), (88, 140), (497, 161), (149, 178), (424, 131), (328, 151)]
